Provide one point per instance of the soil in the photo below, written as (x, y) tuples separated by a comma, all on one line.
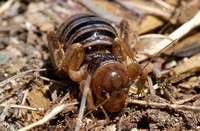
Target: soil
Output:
[(27, 78)]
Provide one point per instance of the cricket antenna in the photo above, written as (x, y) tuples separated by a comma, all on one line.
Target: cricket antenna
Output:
[(152, 58), (123, 111), (95, 108)]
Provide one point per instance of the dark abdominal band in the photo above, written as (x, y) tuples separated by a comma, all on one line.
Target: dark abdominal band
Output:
[(94, 33), (91, 33), (69, 22), (81, 27), (87, 23)]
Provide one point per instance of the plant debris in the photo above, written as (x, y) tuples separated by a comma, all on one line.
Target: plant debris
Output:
[(33, 97)]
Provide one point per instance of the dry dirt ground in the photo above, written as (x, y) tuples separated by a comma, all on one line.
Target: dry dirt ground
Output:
[(32, 96)]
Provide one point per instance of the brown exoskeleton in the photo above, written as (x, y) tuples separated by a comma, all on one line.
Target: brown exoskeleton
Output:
[(86, 45)]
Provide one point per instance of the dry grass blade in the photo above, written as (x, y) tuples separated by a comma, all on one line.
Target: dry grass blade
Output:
[(164, 5), (145, 7), (165, 105), (6, 6), (22, 107), (6, 109), (179, 33), (95, 108), (32, 98), (83, 102), (93, 7), (53, 81), (46, 118), (19, 75)]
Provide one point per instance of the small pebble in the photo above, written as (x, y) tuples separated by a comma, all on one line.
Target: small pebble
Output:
[(170, 64)]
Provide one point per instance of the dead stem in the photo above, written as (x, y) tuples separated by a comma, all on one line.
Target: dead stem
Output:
[(83, 102), (6, 6), (179, 33), (165, 5), (23, 101), (95, 108), (120, 123), (165, 105), (146, 8), (150, 83), (19, 75), (23, 107), (47, 117), (53, 81), (90, 5)]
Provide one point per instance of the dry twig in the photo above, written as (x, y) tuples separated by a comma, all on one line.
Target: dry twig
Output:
[(152, 91), (179, 33), (165, 105), (6, 6), (6, 109), (90, 5), (22, 107), (19, 75), (148, 9), (83, 102), (53, 81), (165, 5), (24, 100), (49, 116), (96, 108)]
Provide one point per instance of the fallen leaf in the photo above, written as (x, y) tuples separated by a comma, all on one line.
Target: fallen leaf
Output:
[(186, 69)]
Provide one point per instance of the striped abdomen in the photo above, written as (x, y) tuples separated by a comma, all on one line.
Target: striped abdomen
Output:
[(92, 32)]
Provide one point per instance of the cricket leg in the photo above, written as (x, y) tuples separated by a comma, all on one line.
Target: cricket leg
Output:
[(136, 71), (72, 61)]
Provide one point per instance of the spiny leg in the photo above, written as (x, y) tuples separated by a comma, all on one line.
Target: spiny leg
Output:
[(141, 81), (55, 49), (123, 40), (121, 44), (124, 31), (68, 61), (136, 71), (73, 57), (117, 50), (72, 61)]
